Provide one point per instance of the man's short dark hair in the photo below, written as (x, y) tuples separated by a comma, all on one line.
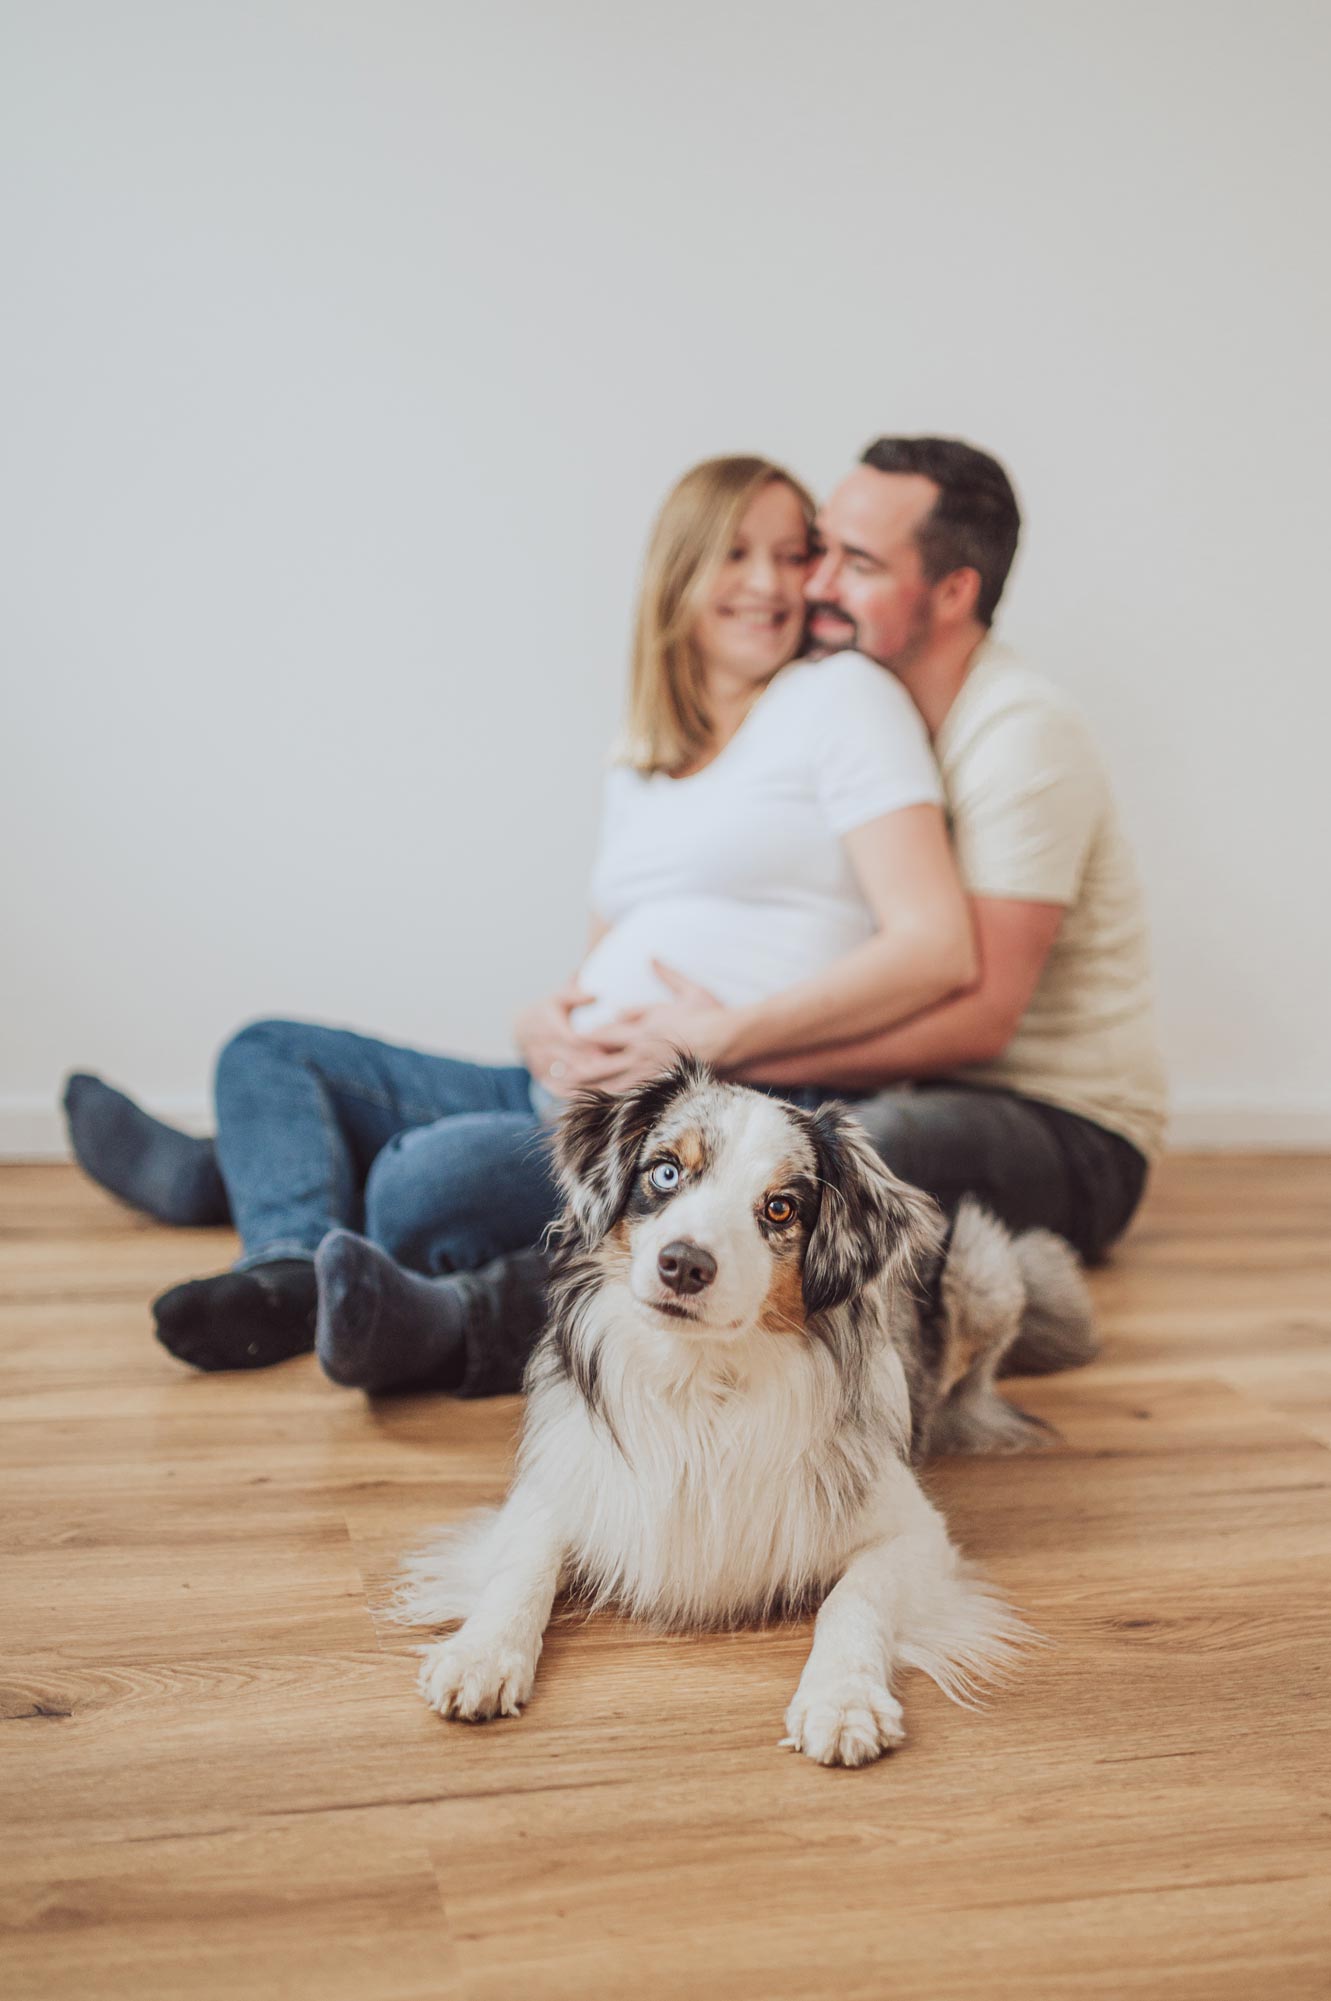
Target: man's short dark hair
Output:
[(975, 521)]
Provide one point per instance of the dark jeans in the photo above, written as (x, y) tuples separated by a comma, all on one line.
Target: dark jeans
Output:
[(1034, 1166)]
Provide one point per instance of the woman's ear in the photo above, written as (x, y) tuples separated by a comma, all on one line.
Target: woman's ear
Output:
[(868, 1222), (599, 1140)]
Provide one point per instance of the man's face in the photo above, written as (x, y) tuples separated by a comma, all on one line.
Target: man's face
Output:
[(868, 588)]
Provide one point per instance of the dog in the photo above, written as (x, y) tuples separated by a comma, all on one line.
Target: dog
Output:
[(756, 1333)]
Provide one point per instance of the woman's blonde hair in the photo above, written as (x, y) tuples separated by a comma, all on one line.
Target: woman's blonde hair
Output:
[(668, 725)]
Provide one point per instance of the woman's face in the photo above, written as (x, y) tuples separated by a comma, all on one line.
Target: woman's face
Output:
[(752, 616)]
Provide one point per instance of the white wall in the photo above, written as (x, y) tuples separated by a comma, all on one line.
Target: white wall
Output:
[(347, 350)]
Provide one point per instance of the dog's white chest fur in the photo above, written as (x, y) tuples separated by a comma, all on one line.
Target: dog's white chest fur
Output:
[(709, 1501)]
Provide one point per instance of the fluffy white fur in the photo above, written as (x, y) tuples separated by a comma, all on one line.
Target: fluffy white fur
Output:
[(755, 1455)]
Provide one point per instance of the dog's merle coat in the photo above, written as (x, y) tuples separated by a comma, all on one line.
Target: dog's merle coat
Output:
[(714, 1449)]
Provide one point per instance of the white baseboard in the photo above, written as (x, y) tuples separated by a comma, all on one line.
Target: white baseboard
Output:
[(34, 1129), (1206, 1125)]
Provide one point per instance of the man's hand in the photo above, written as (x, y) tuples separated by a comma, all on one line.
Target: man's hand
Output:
[(643, 1041)]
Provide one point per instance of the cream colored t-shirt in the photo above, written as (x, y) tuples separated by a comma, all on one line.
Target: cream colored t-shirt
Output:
[(1033, 820)]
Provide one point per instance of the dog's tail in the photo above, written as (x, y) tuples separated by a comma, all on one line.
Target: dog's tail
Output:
[(442, 1581), (1010, 1306), (1057, 1323), (961, 1634)]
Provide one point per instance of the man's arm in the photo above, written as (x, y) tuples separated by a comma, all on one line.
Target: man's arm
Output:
[(1013, 940), (922, 950)]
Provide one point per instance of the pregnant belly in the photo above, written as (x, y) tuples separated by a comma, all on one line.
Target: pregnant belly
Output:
[(741, 952)]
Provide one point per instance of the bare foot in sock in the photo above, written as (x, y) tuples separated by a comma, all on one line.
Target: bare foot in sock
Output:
[(168, 1174), (240, 1319)]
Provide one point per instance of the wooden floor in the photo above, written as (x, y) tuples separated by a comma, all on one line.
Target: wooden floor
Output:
[(218, 1779)]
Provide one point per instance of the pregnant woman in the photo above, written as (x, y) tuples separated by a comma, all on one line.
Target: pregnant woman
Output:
[(773, 834)]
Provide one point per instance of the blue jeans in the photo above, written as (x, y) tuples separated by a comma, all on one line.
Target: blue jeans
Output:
[(442, 1163)]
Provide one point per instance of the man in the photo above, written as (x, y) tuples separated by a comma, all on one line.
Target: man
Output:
[(1039, 1089)]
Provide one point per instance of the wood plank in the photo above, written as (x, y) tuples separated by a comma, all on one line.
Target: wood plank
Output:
[(256, 1911), (219, 1780)]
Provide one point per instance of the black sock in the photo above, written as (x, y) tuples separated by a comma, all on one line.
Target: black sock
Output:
[(169, 1174), (241, 1319)]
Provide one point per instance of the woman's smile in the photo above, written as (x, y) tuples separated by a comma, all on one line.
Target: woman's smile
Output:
[(764, 620)]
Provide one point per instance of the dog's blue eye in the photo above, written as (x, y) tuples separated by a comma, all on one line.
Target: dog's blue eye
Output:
[(664, 1177)]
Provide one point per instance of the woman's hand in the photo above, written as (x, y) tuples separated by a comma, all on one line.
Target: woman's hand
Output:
[(551, 1047), (643, 1041)]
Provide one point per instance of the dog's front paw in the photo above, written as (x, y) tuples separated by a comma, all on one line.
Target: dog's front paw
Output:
[(847, 1722), (475, 1679)]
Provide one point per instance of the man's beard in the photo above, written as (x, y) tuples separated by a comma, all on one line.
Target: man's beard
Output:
[(918, 634), (820, 648), (897, 661)]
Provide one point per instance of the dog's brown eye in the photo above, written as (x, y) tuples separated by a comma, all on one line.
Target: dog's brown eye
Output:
[(779, 1209)]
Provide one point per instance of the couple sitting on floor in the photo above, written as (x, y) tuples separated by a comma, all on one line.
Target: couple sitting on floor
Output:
[(774, 890)]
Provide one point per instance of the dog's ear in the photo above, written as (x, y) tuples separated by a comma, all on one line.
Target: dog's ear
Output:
[(868, 1221), (587, 1163), (598, 1142)]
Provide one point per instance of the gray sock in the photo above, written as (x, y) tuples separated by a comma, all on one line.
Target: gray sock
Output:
[(154, 1167), (382, 1328)]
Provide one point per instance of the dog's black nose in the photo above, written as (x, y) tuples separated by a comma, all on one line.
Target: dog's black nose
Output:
[(686, 1267)]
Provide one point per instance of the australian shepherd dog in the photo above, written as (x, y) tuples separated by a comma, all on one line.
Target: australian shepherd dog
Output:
[(756, 1331)]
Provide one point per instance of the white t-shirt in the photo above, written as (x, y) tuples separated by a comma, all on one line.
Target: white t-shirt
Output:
[(737, 876)]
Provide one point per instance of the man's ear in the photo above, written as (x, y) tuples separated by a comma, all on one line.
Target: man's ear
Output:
[(868, 1221), (957, 594), (598, 1142)]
